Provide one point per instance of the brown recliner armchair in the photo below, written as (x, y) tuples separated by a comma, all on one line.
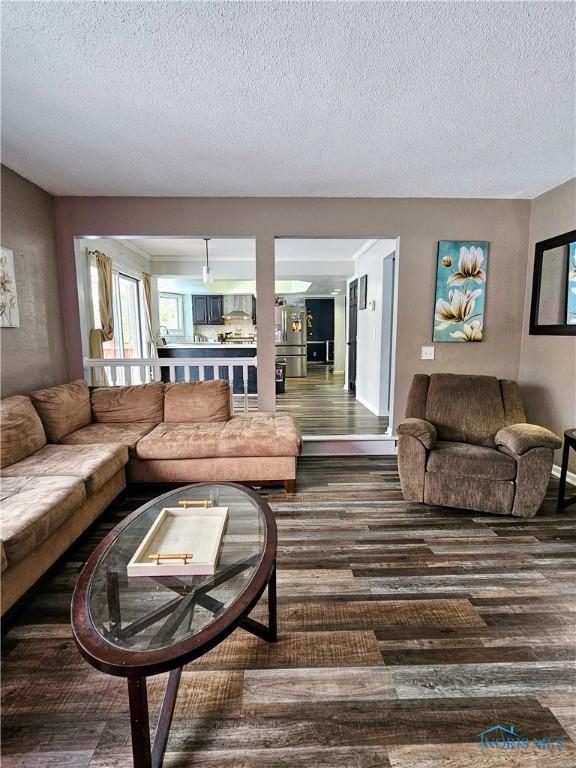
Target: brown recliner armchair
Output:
[(465, 443)]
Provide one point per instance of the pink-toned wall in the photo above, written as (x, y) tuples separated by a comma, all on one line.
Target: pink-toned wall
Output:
[(548, 363), (419, 223)]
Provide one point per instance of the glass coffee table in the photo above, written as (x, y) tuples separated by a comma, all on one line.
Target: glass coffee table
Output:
[(135, 627)]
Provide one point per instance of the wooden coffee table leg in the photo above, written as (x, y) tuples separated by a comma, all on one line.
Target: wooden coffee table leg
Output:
[(165, 719), (272, 608), (139, 722), (143, 754), (563, 473)]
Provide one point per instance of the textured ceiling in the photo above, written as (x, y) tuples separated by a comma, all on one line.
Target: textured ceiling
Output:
[(455, 99)]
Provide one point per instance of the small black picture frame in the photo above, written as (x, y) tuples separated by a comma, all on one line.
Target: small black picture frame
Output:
[(363, 298)]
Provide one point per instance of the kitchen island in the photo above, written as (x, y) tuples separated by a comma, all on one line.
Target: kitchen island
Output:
[(203, 350)]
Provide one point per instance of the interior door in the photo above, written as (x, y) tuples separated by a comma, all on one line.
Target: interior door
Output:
[(352, 331)]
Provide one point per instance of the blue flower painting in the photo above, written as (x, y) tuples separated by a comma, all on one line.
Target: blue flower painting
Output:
[(571, 298), (460, 290)]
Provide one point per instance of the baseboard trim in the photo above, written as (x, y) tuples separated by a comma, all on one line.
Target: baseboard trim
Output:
[(348, 445), (570, 476), (370, 407), (347, 438)]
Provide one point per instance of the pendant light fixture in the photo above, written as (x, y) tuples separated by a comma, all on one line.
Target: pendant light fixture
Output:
[(206, 271)]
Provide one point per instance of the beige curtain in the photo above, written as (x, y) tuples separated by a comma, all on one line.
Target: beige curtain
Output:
[(147, 283), (105, 304)]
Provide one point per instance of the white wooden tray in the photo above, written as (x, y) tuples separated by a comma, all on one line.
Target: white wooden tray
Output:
[(182, 542)]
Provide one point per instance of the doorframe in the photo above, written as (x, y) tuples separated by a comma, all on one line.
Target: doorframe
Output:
[(349, 281), (392, 385)]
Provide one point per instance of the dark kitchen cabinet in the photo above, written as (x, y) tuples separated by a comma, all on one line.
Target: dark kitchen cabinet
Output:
[(207, 310), (215, 310), (200, 310)]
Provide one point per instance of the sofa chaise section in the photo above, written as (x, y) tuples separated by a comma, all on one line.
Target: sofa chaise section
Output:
[(200, 439)]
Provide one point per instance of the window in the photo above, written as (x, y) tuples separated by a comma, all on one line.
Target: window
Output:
[(127, 314), (130, 327), (170, 306)]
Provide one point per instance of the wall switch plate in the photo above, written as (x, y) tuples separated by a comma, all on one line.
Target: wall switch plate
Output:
[(427, 353)]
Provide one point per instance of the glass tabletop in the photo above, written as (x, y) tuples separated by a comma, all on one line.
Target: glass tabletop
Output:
[(145, 613)]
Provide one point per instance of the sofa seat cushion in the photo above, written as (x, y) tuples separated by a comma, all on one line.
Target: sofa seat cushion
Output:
[(21, 430), (32, 508), (465, 460), (121, 434), (120, 405), (63, 409), (94, 464), (258, 434)]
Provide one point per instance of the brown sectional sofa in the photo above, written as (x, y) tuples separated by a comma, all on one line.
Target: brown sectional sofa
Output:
[(66, 453), (49, 494)]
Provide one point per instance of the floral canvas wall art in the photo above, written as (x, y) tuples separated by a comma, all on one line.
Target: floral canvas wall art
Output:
[(571, 298), (8, 299), (460, 290)]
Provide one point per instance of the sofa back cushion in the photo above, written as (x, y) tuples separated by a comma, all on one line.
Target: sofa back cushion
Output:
[(198, 401), (141, 402), (417, 396), (465, 409), (21, 430), (63, 409)]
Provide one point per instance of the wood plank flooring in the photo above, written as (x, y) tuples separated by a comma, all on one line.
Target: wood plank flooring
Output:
[(405, 631), (323, 407)]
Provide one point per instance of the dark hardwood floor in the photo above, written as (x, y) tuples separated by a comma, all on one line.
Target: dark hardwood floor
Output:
[(323, 407), (404, 632)]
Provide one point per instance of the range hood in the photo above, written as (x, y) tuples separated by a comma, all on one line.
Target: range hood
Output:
[(237, 314), (237, 306)]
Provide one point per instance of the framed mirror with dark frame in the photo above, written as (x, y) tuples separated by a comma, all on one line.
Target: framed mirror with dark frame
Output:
[(553, 308)]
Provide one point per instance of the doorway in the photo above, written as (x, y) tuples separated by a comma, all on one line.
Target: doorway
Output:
[(335, 392)]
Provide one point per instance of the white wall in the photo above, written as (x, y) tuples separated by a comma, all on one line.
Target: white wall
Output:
[(372, 343), (387, 345), (339, 333)]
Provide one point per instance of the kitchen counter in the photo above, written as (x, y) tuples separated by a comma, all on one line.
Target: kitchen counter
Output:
[(210, 345), (202, 350)]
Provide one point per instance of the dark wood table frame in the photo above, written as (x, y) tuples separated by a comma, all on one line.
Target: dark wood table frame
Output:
[(136, 666), (569, 442)]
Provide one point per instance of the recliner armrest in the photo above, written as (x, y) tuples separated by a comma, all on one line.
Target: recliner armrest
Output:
[(420, 429), (519, 438)]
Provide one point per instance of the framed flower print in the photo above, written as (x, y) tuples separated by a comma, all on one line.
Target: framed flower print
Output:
[(9, 317), (460, 290)]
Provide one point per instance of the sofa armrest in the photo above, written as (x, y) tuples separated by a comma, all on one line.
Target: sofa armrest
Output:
[(420, 429), (519, 438)]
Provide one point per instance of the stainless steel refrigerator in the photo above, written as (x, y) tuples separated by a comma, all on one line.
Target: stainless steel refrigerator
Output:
[(290, 331)]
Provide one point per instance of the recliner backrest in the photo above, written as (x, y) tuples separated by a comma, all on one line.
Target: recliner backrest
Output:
[(465, 408)]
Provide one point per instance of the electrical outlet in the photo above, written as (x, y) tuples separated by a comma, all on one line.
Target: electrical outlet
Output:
[(427, 353)]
